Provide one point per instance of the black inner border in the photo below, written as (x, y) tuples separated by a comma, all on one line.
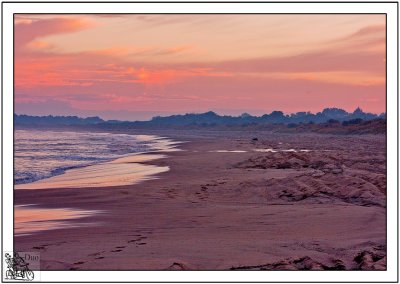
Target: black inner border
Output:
[(188, 2)]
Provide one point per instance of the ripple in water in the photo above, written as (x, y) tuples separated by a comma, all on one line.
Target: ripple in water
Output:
[(40, 154)]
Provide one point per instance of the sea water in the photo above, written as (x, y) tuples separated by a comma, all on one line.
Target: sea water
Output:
[(65, 159), (41, 154)]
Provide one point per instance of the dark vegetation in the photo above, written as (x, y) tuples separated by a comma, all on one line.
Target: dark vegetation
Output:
[(330, 116)]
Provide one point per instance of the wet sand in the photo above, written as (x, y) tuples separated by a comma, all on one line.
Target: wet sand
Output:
[(30, 219), (223, 205), (123, 171)]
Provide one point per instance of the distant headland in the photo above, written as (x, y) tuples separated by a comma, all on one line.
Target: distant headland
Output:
[(331, 115)]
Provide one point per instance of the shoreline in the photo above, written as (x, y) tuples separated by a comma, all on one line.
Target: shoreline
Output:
[(64, 177), (124, 171), (230, 210)]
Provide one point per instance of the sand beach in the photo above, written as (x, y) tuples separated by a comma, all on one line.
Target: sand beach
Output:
[(229, 200)]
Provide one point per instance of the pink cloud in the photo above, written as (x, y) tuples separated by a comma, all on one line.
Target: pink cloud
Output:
[(348, 73), (320, 61), (27, 31)]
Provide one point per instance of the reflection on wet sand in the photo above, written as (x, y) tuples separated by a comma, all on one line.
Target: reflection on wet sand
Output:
[(228, 151), (270, 150), (29, 219)]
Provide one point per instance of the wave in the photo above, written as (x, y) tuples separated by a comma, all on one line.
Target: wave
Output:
[(42, 154)]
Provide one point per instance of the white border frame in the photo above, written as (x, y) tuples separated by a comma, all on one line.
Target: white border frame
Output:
[(389, 8)]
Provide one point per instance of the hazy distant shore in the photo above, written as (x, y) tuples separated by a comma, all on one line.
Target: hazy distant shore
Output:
[(328, 121), (357, 127), (231, 200)]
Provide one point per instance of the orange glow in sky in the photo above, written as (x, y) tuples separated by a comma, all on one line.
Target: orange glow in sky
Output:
[(138, 66)]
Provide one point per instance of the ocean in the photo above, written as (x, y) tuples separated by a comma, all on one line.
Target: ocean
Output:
[(40, 154)]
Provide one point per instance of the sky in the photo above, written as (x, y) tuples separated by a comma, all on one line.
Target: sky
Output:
[(134, 67)]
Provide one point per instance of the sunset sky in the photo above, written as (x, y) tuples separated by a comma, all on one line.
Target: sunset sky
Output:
[(138, 66)]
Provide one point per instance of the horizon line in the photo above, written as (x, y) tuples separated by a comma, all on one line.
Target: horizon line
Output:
[(212, 111)]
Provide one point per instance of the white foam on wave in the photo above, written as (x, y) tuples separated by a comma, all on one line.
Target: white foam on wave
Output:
[(123, 171), (43, 155)]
